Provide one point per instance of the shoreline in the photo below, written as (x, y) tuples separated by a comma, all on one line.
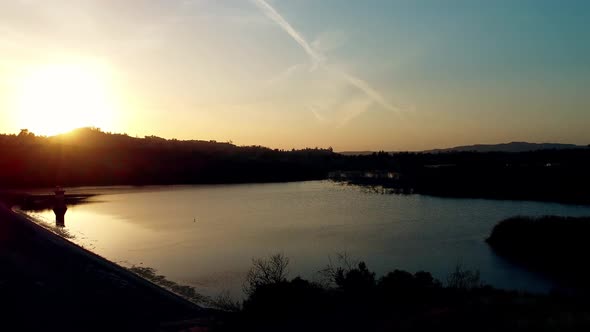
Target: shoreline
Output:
[(96, 258), (36, 258), (385, 188)]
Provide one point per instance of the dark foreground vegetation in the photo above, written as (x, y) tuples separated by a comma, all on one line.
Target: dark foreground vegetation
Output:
[(351, 298), (89, 156), (557, 246)]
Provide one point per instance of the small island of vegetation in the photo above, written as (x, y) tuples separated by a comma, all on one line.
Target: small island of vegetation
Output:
[(554, 245)]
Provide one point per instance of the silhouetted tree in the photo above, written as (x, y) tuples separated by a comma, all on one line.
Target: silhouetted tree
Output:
[(273, 270)]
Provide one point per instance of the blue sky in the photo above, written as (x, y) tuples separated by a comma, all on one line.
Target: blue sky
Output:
[(355, 75)]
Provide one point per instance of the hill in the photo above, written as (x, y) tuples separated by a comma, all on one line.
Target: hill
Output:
[(89, 156), (508, 147), (503, 147)]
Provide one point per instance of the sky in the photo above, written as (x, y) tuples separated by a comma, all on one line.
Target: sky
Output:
[(352, 75)]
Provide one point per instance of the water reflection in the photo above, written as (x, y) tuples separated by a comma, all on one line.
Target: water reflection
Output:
[(205, 236), (59, 207), (58, 202)]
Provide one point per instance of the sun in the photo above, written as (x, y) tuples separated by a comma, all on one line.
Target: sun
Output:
[(57, 98)]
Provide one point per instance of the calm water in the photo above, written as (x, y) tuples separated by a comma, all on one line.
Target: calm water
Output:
[(206, 236)]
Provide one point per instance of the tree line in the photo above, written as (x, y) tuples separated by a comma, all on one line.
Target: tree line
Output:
[(89, 156)]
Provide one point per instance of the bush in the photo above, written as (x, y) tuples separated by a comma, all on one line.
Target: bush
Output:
[(463, 279), (272, 270), (346, 274)]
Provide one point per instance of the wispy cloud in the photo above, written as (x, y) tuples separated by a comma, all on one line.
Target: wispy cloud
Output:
[(318, 59)]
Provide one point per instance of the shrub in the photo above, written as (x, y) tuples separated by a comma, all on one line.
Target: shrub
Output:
[(272, 270), (464, 279)]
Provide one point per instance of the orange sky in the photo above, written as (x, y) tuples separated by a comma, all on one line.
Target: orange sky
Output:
[(376, 75)]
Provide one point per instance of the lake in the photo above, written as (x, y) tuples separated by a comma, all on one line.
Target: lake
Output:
[(206, 235)]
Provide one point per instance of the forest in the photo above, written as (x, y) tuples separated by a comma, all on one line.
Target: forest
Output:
[(88, 156)]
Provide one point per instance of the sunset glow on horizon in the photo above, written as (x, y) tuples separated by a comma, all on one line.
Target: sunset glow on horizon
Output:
[(56, 98), (371, 75)]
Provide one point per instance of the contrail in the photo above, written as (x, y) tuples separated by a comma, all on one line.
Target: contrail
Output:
[(318, 58), (271, 13), (317, 115), (368, 90)]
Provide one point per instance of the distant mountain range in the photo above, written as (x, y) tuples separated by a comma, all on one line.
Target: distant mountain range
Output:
[(504, 147), (509, 147)]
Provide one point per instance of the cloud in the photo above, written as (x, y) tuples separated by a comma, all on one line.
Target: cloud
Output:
[(319, 59)]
